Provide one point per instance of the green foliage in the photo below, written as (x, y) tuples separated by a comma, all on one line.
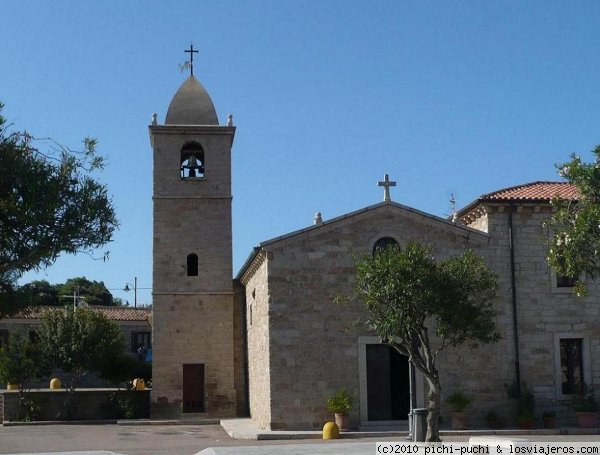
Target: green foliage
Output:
[(524, 402), (30, 407), (404, 289), (127, 404), (341, 402), (574, 228), (586, 402), (118, 301), (93, 292), (458, 401), (123, 368), (49, 204), (407, 293), (40, 292), (21, 361), (492, 418), (78, 341)]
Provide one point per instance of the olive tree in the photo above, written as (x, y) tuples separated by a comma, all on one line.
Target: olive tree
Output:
[(420, 306), (574, 228)]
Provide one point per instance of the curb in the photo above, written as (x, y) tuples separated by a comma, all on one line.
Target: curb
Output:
[(7, 423), (125, 422)]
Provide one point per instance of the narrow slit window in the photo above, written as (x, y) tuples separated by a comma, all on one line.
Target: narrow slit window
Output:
[(192, 265)]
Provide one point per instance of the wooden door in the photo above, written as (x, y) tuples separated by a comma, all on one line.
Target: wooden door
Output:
[(387, 383), (193, 387)]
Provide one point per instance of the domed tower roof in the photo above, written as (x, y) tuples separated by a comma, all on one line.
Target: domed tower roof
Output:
[(191, 105)]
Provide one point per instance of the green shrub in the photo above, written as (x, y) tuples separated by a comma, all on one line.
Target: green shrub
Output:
[(341, 402), (458, 401)]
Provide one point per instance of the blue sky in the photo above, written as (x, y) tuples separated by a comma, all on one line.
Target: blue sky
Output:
[(462, 97)]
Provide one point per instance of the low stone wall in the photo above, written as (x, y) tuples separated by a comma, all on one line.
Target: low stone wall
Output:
[(83, 404)]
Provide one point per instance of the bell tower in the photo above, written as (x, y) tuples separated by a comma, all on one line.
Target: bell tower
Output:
[(193, 299)]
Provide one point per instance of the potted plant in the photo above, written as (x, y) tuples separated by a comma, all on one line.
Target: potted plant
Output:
[(586, 409), (524, 410), (493, 419), (549, 418), (340, 404), (458, 402)]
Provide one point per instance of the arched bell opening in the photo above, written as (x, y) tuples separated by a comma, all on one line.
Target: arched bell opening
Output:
[(192, 161)]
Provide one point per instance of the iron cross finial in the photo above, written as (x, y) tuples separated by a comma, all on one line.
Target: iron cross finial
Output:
[(192, 52)]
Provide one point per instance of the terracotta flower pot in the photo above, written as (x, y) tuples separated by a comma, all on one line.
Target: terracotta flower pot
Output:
[(525, 423), (587, 419), (549, 422), (342, 421), (459, 421)]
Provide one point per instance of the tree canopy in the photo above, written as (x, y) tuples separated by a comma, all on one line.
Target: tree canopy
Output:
[(420, 306), (20, 362), (40, 292), (79, 341), (574, 228), (93, 292), (50, 204)]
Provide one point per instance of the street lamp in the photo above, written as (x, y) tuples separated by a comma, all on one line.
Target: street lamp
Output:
[(127, 288)]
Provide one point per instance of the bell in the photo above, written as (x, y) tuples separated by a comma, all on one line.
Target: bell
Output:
[(193, 165)]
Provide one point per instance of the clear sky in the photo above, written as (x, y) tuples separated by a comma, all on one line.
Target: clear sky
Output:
[(462, 97)]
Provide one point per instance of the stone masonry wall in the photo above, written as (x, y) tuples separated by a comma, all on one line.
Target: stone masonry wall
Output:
[(189, 226), (193, 329), (90, 404), (547, 313), (314, 350), (239, 348), (259, 362)]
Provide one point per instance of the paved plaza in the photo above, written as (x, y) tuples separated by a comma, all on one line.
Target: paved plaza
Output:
[(131, 440), (183, 440)]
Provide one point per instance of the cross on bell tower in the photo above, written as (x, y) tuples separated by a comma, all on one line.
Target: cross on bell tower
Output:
[(386, 184), (192, 52)]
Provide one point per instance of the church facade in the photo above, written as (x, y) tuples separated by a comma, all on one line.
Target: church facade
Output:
[(273, 344)]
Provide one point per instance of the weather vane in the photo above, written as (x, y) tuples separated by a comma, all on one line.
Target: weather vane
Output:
[(453, 205)]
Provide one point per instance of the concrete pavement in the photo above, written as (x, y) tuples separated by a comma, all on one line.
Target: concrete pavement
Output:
[(101, 452), (325, 448), (151, 438)]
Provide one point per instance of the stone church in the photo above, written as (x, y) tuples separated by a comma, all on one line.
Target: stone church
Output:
[(272, 344)]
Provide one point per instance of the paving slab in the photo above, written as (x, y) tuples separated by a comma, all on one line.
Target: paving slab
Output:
[(325, 448), (101, 452), (245, 428)]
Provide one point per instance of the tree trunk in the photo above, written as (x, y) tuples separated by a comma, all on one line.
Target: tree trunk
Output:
[(433, 416)]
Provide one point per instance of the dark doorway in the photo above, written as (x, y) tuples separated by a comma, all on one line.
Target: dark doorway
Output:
[(193, 387), (387, 383)]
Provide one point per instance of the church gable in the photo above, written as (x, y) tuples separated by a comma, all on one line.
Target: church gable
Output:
[(357, 232)]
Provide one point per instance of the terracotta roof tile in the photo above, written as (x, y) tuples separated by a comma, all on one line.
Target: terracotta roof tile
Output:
[(535, 191), (112, 313)]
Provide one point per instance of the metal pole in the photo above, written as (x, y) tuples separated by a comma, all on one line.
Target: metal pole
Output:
[(135, 292)]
